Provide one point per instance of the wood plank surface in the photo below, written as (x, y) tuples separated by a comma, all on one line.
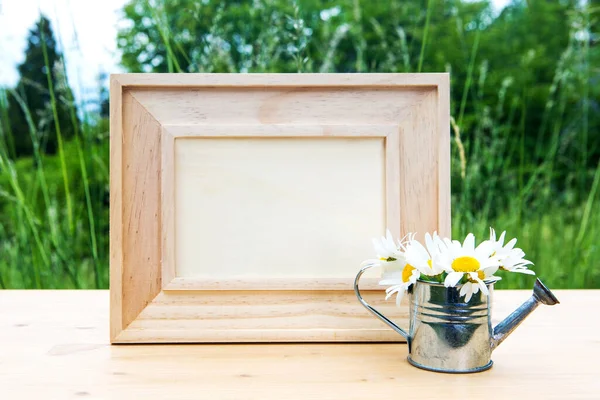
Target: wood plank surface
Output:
[(55, 345)]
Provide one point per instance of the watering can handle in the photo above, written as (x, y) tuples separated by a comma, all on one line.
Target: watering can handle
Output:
[(370, 308)]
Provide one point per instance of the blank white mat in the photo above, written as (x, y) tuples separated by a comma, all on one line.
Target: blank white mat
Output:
[(277, 207)]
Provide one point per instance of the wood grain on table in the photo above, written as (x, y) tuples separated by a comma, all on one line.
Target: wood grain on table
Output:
[(55, 345)]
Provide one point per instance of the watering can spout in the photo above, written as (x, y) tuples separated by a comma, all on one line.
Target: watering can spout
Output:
[(541, 295)]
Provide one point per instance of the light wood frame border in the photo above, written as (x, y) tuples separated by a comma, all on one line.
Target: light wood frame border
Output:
[(142, 295)]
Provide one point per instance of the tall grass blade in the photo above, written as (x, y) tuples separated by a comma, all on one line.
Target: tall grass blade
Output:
[(61, 150), (425, 34)]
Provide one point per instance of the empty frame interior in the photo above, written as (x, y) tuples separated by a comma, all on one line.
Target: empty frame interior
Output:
[(243, 205), (277, 207)]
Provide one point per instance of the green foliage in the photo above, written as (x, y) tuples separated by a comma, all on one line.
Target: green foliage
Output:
[(41, 67), (53, 207), (39, 248), (531, 52), (525, 120)]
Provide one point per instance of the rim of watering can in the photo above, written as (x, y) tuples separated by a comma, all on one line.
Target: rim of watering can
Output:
[(488, 282)]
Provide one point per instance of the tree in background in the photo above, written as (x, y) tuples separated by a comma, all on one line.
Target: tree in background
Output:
[(103, 95), (36, 118)]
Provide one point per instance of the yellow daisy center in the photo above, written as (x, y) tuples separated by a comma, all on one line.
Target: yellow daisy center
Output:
[(407, 272), (465, 264), (429, 262)]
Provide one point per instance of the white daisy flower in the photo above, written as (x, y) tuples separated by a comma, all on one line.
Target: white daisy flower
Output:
[(396, 273), (476, 281), (458, 260), (517, 263), (386, 248), (509, 257), (390, 256), (400, 281), (422, 258)]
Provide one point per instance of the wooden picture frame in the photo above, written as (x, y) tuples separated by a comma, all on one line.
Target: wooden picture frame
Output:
[(359, 152)]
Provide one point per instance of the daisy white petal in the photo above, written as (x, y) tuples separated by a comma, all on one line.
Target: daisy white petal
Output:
[(468, 296), (418, 257), (489, 271), (469, 243), (453, 278), (467, 291), (464, 289), (523, 271), (482, 286), (430, 244), (393, 289), (511, 244), (489, 279)]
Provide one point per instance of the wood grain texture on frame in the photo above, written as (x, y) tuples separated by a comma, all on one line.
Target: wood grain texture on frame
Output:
[(136, 225), (148, 111)]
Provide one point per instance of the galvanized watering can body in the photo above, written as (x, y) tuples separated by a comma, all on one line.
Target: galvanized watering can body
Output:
[(447, 334)]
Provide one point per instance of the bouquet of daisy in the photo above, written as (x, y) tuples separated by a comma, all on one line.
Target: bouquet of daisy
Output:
[(446, 261)]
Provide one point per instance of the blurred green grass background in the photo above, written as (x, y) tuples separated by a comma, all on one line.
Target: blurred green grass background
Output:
[(525, 118)]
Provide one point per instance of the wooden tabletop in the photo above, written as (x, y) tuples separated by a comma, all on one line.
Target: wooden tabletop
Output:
[(54, 345)]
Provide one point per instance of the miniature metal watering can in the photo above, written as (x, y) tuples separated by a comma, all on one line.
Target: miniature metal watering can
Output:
[(447, 334)]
